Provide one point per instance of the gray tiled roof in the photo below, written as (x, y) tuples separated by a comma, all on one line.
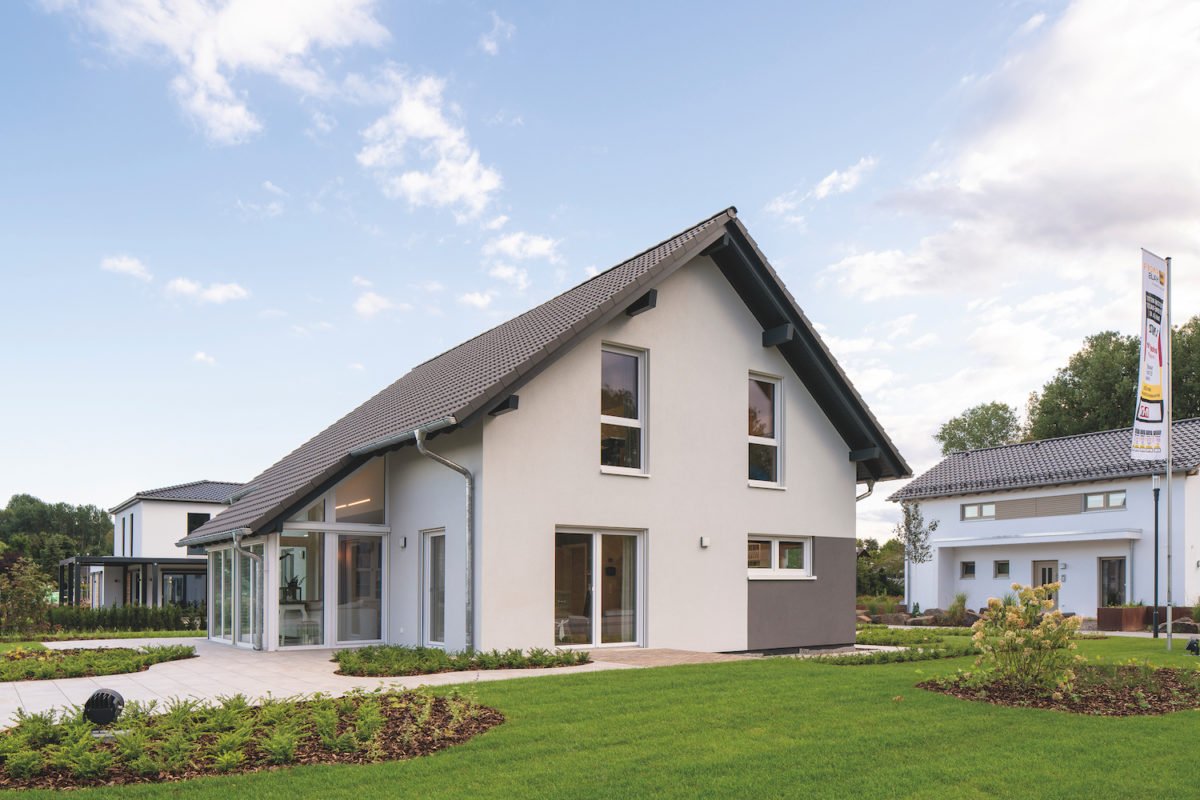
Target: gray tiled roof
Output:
[(458, 382), (196, 491), (1068, 459)]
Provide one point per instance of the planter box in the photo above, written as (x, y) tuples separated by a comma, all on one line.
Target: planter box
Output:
[(1122, 619)]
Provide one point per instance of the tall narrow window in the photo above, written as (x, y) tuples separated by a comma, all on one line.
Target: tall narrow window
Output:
[(622, 410), (122, 534), (764, 431)]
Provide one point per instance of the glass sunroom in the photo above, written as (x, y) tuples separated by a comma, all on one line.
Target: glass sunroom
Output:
[(318, 582)]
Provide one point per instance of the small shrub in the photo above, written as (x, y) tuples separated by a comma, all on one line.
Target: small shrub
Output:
[(24, 764), (280, 746), (956, 614), (1028, 644), (228, 761), (398, 660), (132, 744), (146, 765)]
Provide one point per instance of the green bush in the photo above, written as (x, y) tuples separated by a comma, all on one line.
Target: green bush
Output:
[(956, 614), (23, 603), (950, 649), (385, 660), (126, 618), (1028, 644), (22, 664)]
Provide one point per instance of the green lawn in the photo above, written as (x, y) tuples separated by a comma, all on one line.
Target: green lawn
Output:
[(764, 728)]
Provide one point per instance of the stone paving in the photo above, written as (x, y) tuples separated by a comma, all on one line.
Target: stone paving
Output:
[(224, 670)]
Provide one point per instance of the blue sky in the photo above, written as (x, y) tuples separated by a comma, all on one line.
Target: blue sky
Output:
[(223, 229)]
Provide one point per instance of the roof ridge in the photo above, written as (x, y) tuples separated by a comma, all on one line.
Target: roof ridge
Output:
[(1059, 438), (731, 211)]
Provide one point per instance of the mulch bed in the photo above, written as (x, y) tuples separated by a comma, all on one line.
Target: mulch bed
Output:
[(398, 740), (1130, 694)]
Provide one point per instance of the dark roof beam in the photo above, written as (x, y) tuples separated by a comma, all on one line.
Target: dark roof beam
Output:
[(780, 334), (643, 304)]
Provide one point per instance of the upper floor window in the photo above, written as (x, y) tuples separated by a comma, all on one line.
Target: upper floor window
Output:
[(1100, 501), (764, 431), (622, 409), (195, 521), (978, 511), (359, 497)]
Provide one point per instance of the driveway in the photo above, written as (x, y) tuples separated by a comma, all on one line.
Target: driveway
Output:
[(220, 670)]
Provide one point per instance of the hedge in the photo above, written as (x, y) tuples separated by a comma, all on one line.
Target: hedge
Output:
[(127, 618)]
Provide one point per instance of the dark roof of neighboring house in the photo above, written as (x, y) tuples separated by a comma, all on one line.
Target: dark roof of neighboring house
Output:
[(457, 387), (194, 492), (1067, 459)]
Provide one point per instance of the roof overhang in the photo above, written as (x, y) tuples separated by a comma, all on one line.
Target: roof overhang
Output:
[(1057, 537)]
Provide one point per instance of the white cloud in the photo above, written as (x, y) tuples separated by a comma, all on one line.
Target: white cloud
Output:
[(211, 42), (126, 265), (272, 313), (316, 327), (496, 223), (479, 300), (417, 125), (204, 358), (841, 181), (273, 189), (521, 246), (785, 207), (1037, 191), (322, 124), (591, 270), (268, 210), (501, 31), (1032, 24), (515, 276), (212, 293), (358, 280), (433, 287), (356, 366), (369, 304)]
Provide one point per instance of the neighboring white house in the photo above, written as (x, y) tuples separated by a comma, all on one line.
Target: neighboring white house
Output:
[(1076, 509), (679, 469), (147, 566)]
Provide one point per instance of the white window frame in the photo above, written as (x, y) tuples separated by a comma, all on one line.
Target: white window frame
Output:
[(640, 593), (996, 567), (775, 572), (427, 537), (643, 359), (777, 441), (979, 516), (962, 570), (1106, 497)]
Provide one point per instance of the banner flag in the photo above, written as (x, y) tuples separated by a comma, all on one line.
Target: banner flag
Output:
[(1148, 422)]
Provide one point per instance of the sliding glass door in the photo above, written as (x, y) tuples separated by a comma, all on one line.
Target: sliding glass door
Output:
[(596, 588), (360, 588), (301, 588)]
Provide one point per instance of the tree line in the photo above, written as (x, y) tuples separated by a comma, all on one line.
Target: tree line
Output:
[(1093, 392), (45, 533)]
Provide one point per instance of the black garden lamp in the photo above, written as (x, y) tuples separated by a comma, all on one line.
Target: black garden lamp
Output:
[(103, 707)]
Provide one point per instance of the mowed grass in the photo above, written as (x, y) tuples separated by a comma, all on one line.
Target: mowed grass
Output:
[(763, 728)]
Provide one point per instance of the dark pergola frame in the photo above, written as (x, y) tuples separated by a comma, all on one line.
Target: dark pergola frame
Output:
[(72, 575)]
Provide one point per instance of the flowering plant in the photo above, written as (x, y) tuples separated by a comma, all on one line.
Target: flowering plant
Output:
[(1027, 642)]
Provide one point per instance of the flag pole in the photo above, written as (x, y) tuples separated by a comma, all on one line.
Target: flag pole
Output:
[(1168, 400)]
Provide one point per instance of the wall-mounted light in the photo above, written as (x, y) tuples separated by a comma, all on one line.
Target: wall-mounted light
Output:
[(403, 542), (1062, 566), (705, 541)]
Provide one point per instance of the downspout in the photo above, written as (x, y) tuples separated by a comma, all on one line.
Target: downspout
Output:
[(867, 493), (419, 436), (256, 559)]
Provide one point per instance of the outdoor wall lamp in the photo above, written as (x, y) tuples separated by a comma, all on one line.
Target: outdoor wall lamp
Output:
[(705, 541)]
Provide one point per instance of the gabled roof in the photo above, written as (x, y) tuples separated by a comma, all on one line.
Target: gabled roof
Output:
[(1067, 459), (457, 387), (194, 492)]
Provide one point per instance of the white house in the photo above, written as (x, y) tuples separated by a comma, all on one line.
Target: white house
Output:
[(147, 566), (582, 475), (1077, 510)]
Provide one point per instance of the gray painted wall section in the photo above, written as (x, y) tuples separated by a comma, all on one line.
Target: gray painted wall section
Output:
[(785, 614)]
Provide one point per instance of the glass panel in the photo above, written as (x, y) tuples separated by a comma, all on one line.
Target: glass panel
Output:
[(762, 463), (301, 588), (1094, 501), (791, 555), (1112, 581), (226, 595), (987, 510), (435, 577), (359, 498), (968, 569), (758, 555), (619, 385), (245, 597), (1116, 499), (618, 589), (620, 446), (572, 588), (360, 588), (762, 408), (971, 512), (1001, 569)]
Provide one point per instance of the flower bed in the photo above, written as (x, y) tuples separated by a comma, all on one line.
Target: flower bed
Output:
[(186, 739), (21, 664), (1101, 690), (387, 660)]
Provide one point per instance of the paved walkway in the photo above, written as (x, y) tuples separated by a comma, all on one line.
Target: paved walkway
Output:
[(659, 657), (223, 670)]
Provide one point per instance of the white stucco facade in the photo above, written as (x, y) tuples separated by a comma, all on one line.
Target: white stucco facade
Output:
[(685, 523), (1074, 542)]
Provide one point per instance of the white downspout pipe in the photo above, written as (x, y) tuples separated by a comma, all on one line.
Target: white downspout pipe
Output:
[(419, 437), (255, 558)]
